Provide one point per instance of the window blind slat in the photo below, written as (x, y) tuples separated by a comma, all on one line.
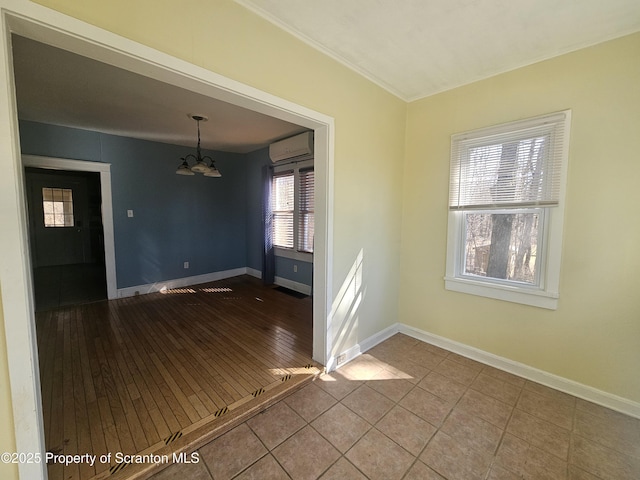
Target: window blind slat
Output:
[(282, 202), (306, 211), (491, 168)]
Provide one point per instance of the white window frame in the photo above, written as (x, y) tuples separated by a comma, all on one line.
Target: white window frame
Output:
[(545, 293), (293, 253)]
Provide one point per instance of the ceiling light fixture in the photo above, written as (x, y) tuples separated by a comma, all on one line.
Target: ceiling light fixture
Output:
[(201, 164)]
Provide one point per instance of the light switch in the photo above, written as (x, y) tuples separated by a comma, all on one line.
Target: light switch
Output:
[(130, 213)]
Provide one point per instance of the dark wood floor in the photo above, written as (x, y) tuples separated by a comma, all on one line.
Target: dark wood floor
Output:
[(131, 374), (62, 285)]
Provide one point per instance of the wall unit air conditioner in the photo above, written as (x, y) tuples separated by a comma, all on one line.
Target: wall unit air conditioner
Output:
[(298, 147)]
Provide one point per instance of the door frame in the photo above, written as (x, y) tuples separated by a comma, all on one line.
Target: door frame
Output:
[(16, 287), (104, 169)]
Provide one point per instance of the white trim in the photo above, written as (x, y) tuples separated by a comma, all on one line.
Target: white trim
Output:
[(283, 282), (179, 282), (360, 348), (585, 392), (104, 169), (292, 285), (254, 273), (562, 384), (546, 296), (53, 28)]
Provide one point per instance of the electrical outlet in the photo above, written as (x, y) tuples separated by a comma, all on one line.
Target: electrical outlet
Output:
[(341, 358), (130, 213), (295, 268), (186, 264)]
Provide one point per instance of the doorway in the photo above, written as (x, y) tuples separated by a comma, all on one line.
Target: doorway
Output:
[(37, 22), (66, 237)]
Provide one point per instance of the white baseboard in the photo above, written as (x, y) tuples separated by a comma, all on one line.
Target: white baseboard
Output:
[(283, 282), (361, 347), (291, 285), (565, 385), (179, 282), (254, 273), (562, 384)]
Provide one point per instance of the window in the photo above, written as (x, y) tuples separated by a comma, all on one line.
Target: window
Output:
[(57, 204), (283, 209), (292, 200), (506, 207), (305, 211)]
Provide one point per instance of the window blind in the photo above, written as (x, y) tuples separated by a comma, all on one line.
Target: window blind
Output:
[(282, 202), (306, 210), (509, 166)]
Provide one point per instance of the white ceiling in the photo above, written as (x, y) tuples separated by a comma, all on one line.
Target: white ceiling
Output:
[(415, 48), (412, 48)]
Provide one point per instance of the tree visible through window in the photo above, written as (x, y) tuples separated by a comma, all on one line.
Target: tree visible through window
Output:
[(57, 204)]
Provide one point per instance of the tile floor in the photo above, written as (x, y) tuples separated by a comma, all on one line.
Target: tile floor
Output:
[(409, 410)]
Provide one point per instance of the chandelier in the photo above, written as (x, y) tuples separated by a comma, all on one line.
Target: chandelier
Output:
[(200, 165)]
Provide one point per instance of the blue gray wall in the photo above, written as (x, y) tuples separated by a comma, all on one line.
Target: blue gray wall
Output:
[(176, 219), (215, 224)]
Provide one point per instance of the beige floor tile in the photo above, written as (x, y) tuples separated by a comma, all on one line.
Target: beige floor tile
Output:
[(602, 461), (443, 387), (276, 424), (576, 473), (419, 471), (504, 376), (466, 361), (265, 468), (539, 433), (618, 432), (472, 432), (379, 458), (403, 368), (310, 401), (426, 405), (406, 429), (368, 403), (554, 409), (390, 385), (362, 368), (456, 371), (561, 398), (454, 461), (499, 473), (341, 427), (496, 388), (343, 470), (306, 455), (231, 453), (527, 461), (488, 408), (423, 356), (336, 385), (184, 471)]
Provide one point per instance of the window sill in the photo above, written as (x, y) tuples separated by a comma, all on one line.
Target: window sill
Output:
[(523, 295), (293, 254)]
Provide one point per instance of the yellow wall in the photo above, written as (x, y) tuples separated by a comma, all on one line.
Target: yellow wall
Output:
[(594, 335), (7, 438)]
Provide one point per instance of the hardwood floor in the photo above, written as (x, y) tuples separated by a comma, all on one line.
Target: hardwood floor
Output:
[(132, 376)]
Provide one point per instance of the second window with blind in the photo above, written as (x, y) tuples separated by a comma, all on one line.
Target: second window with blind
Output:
[(292, 200), (506, 204)]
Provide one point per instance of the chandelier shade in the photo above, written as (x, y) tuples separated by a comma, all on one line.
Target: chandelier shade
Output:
[(200, 162)]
